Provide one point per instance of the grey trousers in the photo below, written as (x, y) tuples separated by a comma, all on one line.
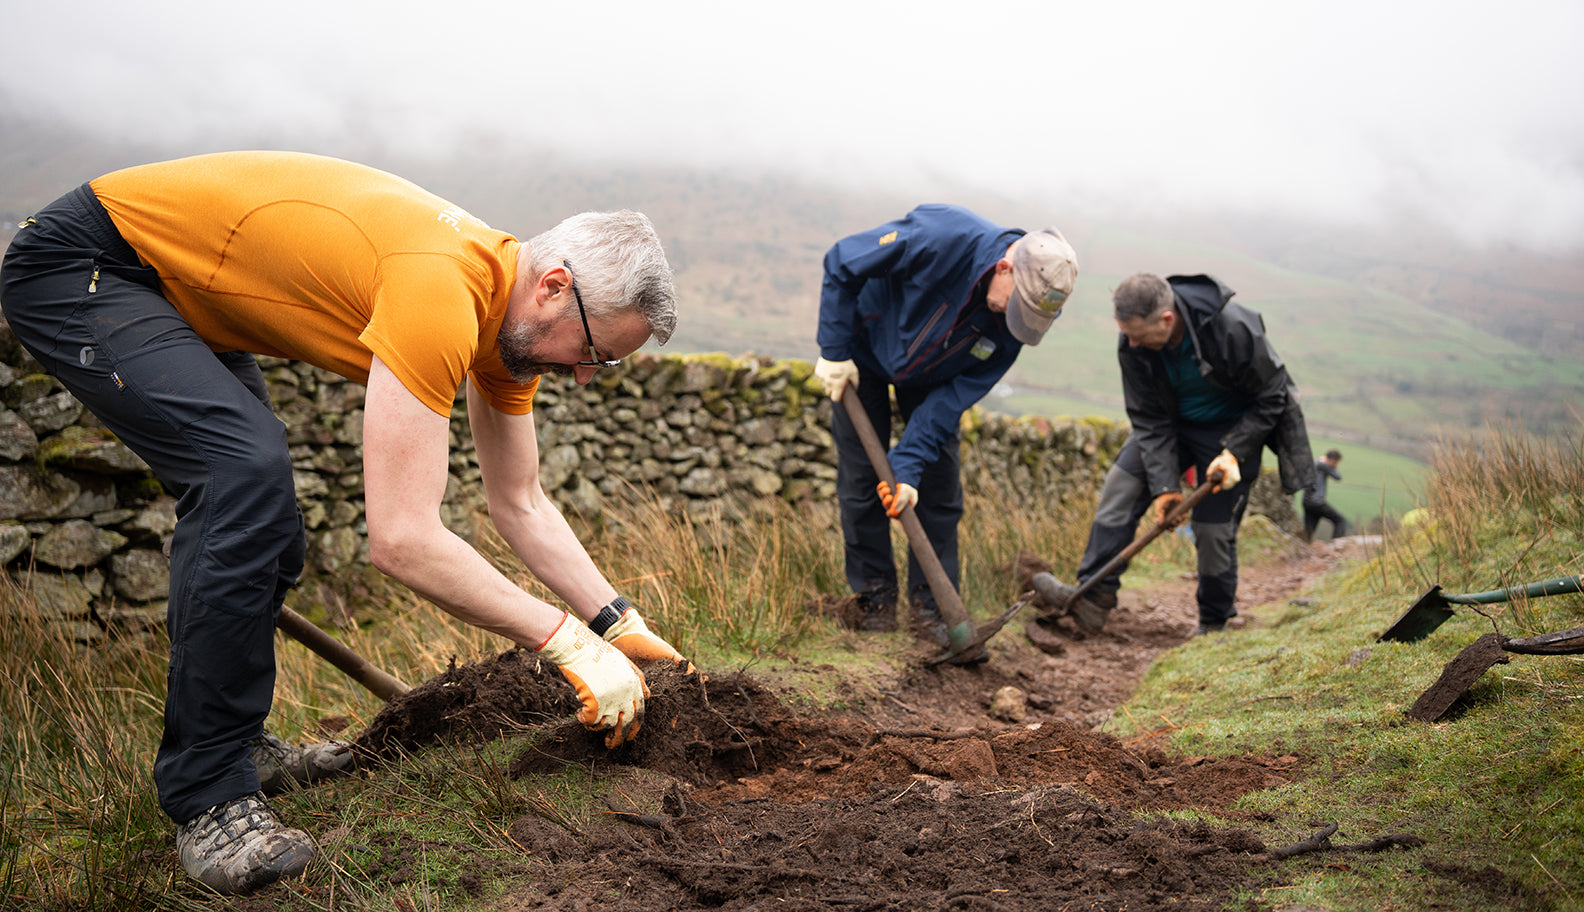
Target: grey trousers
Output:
[(1125, 498)]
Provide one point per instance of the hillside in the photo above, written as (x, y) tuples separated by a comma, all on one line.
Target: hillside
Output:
[(1395, 338)]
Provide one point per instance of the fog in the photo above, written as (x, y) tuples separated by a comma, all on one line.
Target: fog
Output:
[(1463, 115)]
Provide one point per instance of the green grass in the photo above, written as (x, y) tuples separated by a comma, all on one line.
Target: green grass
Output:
[(1497, 785)]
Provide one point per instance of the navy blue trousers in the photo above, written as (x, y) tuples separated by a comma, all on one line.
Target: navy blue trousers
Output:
[(77, 297), (1125, 498), (870, 562)]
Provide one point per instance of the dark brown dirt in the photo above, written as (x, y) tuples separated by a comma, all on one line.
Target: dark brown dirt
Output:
[(1464, 669), (923, 794), (475, 700)]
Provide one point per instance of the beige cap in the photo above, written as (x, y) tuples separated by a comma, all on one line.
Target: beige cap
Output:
[(1044, 268)]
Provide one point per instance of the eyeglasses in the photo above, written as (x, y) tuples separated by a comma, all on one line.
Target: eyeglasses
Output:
[(594, 359)]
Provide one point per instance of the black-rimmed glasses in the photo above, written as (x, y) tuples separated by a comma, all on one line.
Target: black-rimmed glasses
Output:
[(595, 359)]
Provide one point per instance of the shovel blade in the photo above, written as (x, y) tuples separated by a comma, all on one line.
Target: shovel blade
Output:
[(1420, 620)]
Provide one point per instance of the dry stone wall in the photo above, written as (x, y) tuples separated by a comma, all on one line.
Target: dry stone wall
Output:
[(84, 525)]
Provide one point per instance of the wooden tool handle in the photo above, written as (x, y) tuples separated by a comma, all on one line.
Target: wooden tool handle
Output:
[(332, 650), (946, 597)]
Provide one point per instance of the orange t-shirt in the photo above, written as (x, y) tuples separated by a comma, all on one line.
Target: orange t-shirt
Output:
[(325, 261)]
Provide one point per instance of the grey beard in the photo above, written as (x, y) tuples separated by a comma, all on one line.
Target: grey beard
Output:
[(518, 353)]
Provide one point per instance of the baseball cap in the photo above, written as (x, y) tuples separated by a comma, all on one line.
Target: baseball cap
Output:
[(1044, 268)]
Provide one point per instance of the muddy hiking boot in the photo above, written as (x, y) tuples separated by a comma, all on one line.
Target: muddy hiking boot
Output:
[(1090, 611), (281, 765), (239, 846), (878, 616), (928, 625)]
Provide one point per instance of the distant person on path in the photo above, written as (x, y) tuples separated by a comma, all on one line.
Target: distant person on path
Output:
[(937, 305), (1204, 390), (1315, 507), (148, 291)]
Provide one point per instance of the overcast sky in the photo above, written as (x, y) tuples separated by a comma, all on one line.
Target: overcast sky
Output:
[(1468, 114)]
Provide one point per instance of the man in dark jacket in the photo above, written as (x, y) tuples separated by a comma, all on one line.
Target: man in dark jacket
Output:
[(1315, 507), (1204, 389), (937, 304)]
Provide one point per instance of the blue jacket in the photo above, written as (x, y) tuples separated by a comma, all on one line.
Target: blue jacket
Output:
[(903, 300)]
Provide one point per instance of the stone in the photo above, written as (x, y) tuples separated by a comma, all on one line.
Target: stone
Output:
[(95, 494), (56, 595), (557, 465), (93, 450), (51, 413), (1009, 705), (136, 618), (17, 440), (337, 549), (28, 388), (158, 519), (703, 482), (309, 484), (26, 493), (140, 575), (584, 498), (14, 539), (76, 543)]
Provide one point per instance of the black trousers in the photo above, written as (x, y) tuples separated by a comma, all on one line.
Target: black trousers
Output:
[(871, 565), (77, 297), (1314, 511), (1125, 498)]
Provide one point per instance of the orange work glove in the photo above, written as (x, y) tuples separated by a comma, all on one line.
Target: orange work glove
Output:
[(1165, 504), (906, 496), (632, 637), (608, 684), (1228, 465)]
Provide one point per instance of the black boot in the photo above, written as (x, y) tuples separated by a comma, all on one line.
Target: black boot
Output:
[(928, 624), (1090, 611), (879, 616)]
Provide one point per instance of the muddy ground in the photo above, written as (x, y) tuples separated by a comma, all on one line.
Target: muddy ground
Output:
[(925, 793)]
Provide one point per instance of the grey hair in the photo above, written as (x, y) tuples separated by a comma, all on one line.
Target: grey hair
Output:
[(1143, 296), (618, 262)]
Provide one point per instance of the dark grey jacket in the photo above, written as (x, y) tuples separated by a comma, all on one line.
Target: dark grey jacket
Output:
[(1233, 354)]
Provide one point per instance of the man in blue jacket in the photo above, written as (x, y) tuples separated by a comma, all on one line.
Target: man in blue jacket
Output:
[(1203, 389), (936, 304)]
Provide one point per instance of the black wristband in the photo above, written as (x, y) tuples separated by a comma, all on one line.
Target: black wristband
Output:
[(609, 615)]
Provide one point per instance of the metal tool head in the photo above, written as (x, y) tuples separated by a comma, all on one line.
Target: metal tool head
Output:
[(1420, 620), (972, 651)]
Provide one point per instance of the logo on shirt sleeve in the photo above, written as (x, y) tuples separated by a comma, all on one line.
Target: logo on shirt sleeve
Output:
[(455, 216), (886, 239)]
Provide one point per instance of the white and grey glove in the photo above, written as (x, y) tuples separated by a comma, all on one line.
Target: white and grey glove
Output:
[(836, 375)]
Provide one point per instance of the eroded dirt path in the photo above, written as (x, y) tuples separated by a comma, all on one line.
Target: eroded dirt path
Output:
[(919, 797)]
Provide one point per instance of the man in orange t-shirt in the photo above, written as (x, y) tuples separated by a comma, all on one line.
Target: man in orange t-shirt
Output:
[(148, 291)]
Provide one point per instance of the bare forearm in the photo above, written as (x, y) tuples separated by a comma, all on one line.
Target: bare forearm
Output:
[(447, 571), (547, 546)]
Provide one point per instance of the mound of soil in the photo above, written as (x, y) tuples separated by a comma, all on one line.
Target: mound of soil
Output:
[(475, 700), (930, 793)]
